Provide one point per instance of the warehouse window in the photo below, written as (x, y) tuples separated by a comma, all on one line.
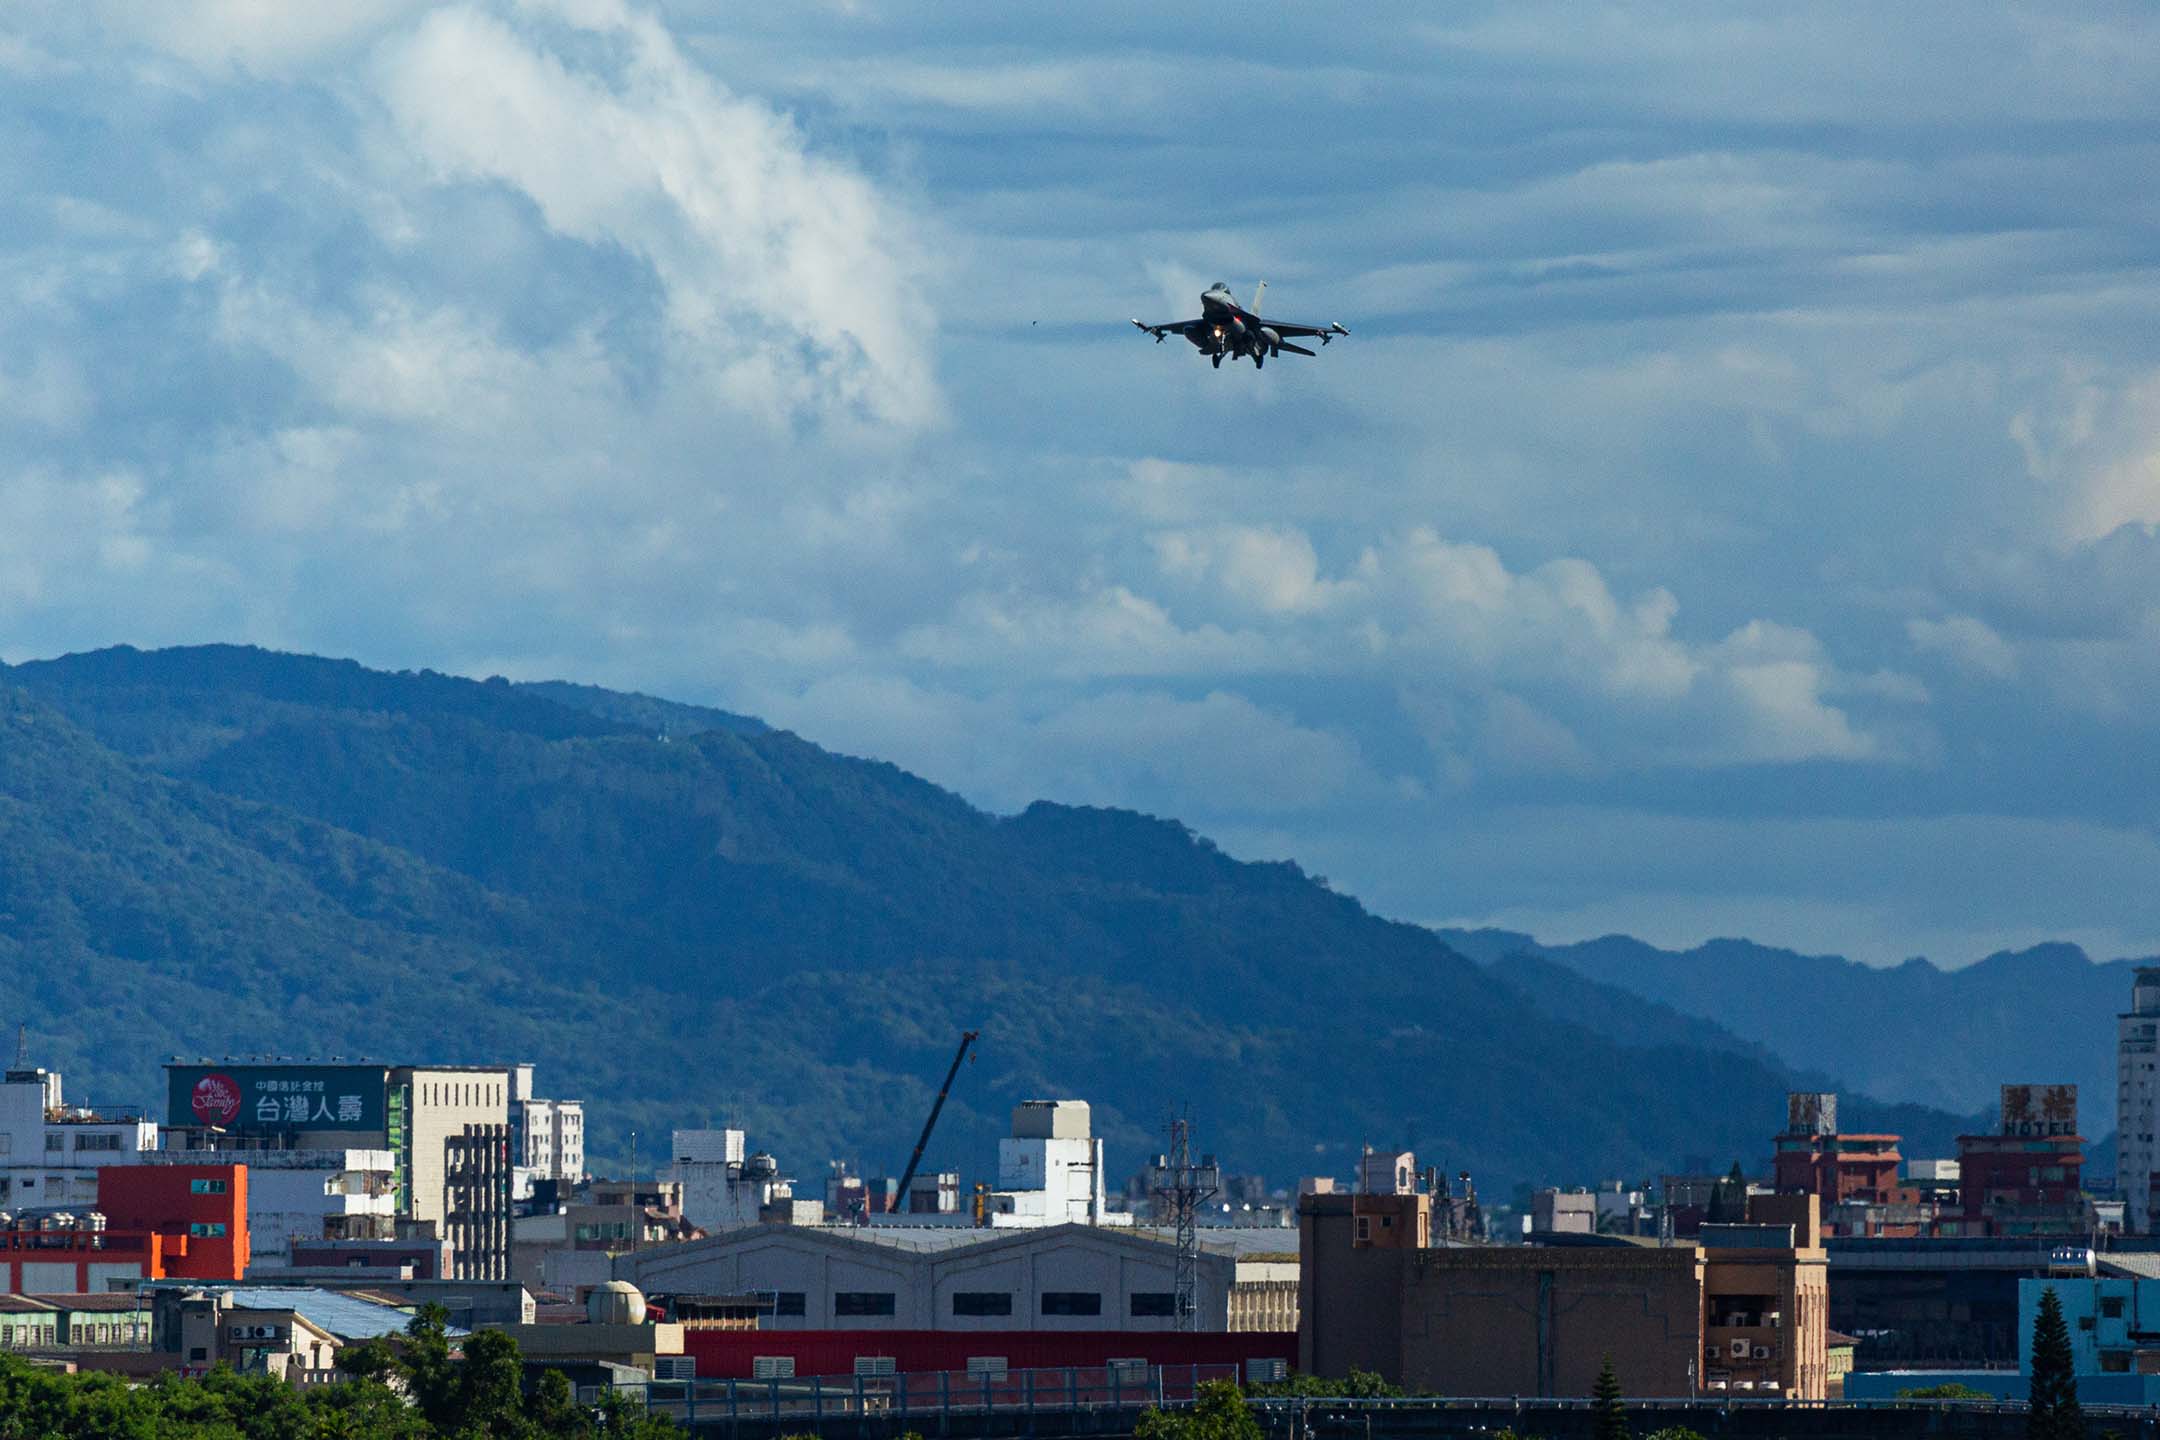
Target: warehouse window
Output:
[(206, 1230), (862, 1302), (982, 1302), (787, 1302), (209, 1187), (1152, 1303), (1072, 1302)]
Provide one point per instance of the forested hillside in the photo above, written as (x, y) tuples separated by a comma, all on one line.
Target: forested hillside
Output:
[(223, 849)]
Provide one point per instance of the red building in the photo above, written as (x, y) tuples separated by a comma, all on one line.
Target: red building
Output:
[(2028, 1179), (1855, 1171), (200, 1211), (151, 1222), (734, 1354)]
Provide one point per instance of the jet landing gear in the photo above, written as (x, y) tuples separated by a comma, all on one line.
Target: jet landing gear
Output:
[(1217, 359)]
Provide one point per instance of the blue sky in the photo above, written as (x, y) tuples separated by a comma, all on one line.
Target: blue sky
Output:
[(1734, 513)]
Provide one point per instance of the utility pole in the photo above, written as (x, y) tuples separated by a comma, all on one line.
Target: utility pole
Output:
[(1183, 1187)]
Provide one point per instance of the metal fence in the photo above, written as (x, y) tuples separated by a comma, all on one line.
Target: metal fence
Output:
[(926, 1396)]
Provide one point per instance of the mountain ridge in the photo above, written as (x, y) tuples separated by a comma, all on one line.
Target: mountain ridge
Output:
[(689, 922), (1936, 1036)]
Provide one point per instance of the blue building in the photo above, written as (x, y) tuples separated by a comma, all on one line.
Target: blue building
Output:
[(2114, 1324)]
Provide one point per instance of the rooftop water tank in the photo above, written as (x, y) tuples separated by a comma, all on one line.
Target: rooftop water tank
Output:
[(617, 1302)]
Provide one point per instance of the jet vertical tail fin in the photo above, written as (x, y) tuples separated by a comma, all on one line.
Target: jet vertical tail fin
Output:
[(1259, 293)]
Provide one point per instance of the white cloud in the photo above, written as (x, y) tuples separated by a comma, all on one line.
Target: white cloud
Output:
[(1965, 640), (2099, 445), (790, 280)]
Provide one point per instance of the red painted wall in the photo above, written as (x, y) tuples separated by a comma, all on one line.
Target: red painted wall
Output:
[(81, 1248), (162, 1198), (726, 1354)]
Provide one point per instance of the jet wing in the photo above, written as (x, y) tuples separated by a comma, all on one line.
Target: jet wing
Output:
[(1289, 329), (1176, 327)]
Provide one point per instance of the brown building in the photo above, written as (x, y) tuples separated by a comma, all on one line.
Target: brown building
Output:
[(1742, 1309), (1815, 1158)]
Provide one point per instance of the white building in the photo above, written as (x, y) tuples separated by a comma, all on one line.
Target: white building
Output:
[(1056, 1277), (51, 1151), (722, 1189), (549, 1135), (2137, 1102), (331, 1193), (1050, 1170)]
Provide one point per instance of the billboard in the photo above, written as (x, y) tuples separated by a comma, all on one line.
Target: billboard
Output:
[(1810, 1112), (2039, 1110), (276, 1099)]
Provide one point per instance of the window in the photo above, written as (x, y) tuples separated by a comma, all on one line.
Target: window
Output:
[(2114, 1362), (54, 1142), (210, 1187), (862, 1302), (2111, 1308), (97, 1142), (789, 1302), (1153, 1303), (198, 1355), (1364, 1227), (209, 1229), (982, 1302), (1072, 1302)]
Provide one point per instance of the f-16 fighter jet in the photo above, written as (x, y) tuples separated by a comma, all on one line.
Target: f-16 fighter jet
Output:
[(1228, 328)]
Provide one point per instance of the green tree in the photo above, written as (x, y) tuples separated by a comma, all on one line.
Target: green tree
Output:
[(2054, 1412), (553, 1409), (1219, 1412), (491, 1389), (1357, 1385), (1674, 1432), (1611, 1414), (430, 1374), (1950, 1391)]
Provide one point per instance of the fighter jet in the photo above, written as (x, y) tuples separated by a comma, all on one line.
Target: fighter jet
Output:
[(1228, 328)]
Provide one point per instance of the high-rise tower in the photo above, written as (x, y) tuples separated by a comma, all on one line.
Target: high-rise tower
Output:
[(2137, 1103)]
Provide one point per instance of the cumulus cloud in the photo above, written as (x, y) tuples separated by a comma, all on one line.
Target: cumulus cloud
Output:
[(2098, 445), (789, 279)]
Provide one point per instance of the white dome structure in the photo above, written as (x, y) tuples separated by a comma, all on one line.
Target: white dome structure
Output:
[(617, 1302)]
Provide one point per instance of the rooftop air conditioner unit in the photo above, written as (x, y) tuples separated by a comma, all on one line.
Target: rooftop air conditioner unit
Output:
[(675, 1367), (1762, 1352), (1739, 1349)]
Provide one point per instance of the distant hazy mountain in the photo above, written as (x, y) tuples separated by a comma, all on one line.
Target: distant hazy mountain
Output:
[(1946, 1038), (683, 915)]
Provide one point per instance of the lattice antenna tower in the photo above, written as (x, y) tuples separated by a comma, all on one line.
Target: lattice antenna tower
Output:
[(1186, 1185)]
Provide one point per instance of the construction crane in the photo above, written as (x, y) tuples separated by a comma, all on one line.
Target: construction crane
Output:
[(967, 1038)]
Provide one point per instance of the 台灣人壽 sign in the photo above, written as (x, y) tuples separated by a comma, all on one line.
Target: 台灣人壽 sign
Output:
[(263, 1099)]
